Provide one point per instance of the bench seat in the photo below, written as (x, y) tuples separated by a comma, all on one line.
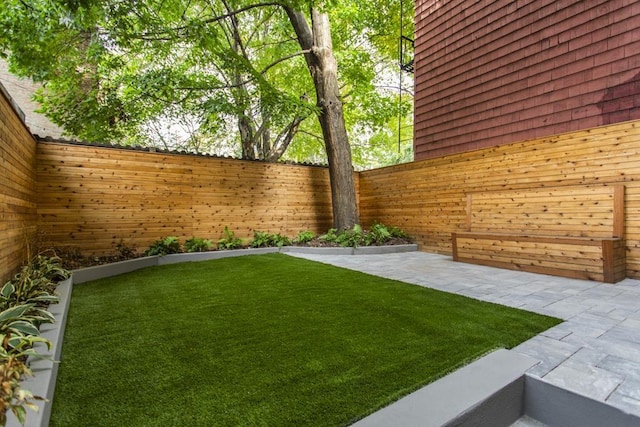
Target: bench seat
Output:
[(601, 259), (574, 232)]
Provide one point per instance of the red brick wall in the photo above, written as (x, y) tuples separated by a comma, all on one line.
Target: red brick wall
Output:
[(494, 72)]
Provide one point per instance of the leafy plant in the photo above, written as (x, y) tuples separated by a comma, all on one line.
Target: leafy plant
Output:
[(34, 284), (23, 301), (378, 233), (230, 241), (196, 244), (352, 238), (399, 233), (305, 237), (49, 267), (261, 239), (12, 396), (18, 334), (331, 236), (279, 240), (164, 246)]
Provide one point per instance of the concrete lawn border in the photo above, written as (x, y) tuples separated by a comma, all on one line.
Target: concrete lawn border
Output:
[(496, 391), (45, 371)]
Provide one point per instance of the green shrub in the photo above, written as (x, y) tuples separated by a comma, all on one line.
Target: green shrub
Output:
[(230, 241), (279, 240), (13, 369), (399, 233), (330, 237), (352, 238), (196, 244), (305, 237), (262, 239), (379, 234), (34, 284), (164, 246), (23, 303), (18, 334)]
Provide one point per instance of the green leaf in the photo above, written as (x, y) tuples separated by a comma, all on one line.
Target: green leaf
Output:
[(20, 413), (14, 312), (25, 328)]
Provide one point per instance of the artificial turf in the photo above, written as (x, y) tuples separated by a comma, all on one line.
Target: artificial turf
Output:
[(263, 340)]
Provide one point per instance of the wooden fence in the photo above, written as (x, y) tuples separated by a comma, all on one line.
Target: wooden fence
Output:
[(17, 188), (92, 198), (429, 198)]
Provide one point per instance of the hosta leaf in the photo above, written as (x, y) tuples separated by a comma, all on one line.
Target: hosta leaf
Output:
[(25, 327), (7, 289), (14, 312), (32, 406), (20, 413)]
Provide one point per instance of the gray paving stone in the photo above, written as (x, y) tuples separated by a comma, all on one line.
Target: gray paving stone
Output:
[(622, 366), (630, 388), (550, 352), (564, 309), (557, 332), (586, 356), (623, 333), (622, 349), (595, 320), (588, 380), (625, 403)]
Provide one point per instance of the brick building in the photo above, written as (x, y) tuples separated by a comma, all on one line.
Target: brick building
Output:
[(495, 72), (21, 92)]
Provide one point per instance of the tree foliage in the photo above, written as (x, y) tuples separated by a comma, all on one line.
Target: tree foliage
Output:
[(197, 75)]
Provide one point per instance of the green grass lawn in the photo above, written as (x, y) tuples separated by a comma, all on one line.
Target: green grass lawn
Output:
[(263, 340)]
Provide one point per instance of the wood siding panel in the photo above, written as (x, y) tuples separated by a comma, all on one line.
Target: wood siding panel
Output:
[(491, 73)]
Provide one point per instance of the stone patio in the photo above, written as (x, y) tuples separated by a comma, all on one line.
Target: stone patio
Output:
[(595, 352)]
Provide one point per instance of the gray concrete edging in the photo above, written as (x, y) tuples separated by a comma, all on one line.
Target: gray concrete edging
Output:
[(460, 395)]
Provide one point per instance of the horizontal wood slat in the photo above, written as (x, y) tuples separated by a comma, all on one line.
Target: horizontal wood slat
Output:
[(537, 230), (91, 198), (428, 198), (17, 190)]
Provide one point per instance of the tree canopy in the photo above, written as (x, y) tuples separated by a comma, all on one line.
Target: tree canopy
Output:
[(224, 76), (112, 68)]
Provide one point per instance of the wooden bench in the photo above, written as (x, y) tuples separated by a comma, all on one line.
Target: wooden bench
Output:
[(575, 232)]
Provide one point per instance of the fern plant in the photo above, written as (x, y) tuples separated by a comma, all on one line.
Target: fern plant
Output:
[(196, 244), (165, 246), (230, 241), (261, 239), (304, 237)]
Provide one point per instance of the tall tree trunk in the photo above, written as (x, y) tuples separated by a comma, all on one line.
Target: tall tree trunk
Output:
[(324, 71)]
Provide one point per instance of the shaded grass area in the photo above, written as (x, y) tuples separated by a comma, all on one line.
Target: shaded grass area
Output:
[(263, 340)]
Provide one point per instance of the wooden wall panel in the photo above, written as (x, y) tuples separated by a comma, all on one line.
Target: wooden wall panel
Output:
[(17, 188), (429, 198), (91, 197)]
